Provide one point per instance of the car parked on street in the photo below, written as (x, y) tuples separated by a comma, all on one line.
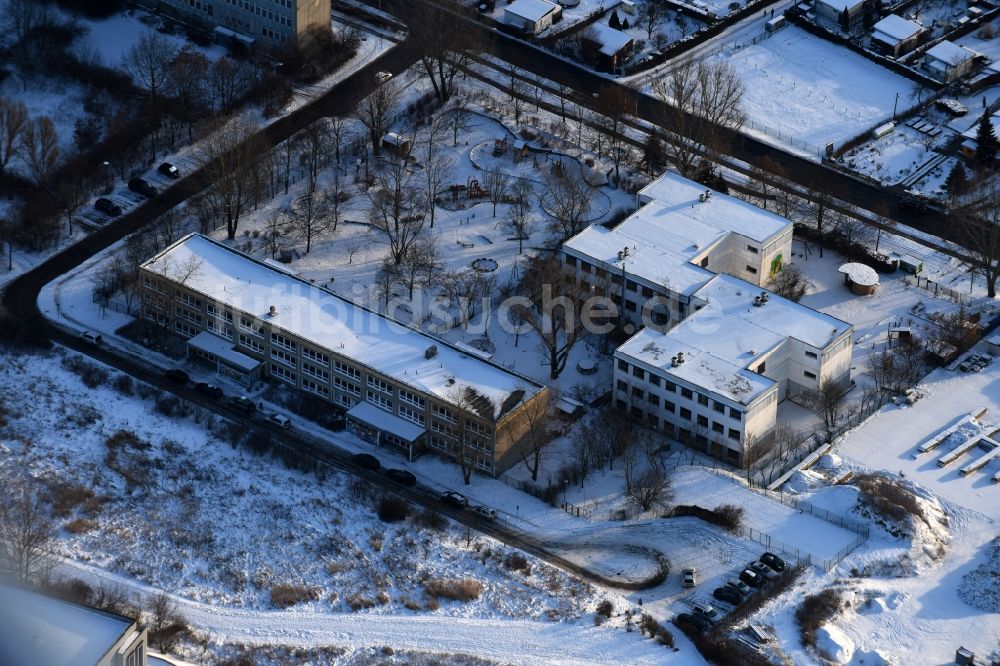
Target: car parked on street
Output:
[(91, 337), (706, 610), (108, 207), (486, 512), (143, 187), (401, 476), (169, 170), (752, 578), (455, 499), (699, 622), (279, 420), (366, 461), (689, 577), (210, 390), (242, 404), (739, 586), (773, 561), (177, 375), (728, 594), (382, 77)]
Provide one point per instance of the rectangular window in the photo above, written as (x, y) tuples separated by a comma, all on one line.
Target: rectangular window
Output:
[(445, 414), (318, 389), (600, 273), (638, 372), (735, 414), (669, 406), (669, 385), (734, 434), (316, 372), (703, 399), (190, 301), (653, 399), (283, 357), (630, 306), (282, 341), (345, 400), (442, 429), (570, 261), (283, 373), (637, 391), (345, 369), (478, 428), (810, 375), (717, 427), (411, 414), (585, 267), (622, 365), (751, 248), (703, 421), (685, 413), (184, 330), (250, 343), (751, 270), (316, 357), (686, 393), (378, 400), (622, 386), (214, 311), (347, 386), (220, 329), (719, 407), (654, 379), (810, 354), (411, 398), (248, 326), (379, 385), (631, 286)]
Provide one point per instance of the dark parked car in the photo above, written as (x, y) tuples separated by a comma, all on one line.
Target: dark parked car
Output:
[(738, 585), (455, 499), (108, 207), (699, 622), (366, 461), (752, 578), (760, 568), (728, 594), (210, 390), (401, 476), (169, 170), (143, 187), (242, 404), (773, 561), (177, 375)]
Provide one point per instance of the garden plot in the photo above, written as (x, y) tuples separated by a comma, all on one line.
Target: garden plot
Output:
[(806, 89), (907, 155)]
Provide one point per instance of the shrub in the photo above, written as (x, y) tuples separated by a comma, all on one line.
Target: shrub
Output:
[(285, 595), (815, 611), (66, 497), (727, 516), (431, 520), (393, 509), (605, 608), (91, 375), (356, 601), (889, 498), (123, 384), (650, 627), (453, 589), (168, 405), (80, 526), (516, 561)]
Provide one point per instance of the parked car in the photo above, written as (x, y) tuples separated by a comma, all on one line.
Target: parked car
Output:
[(486, 512), (706, 610), (143, 187), (91, 337), (760, 568), (177, 375), (108, 207), (401, 476), (739, 586), (752, 578), (728, 594), (773, 561), (697, 621), (242, 404), (366, 461), (382, 77), (210, 390), (169, 170), (689, 577), (279, 420), (455, 499)]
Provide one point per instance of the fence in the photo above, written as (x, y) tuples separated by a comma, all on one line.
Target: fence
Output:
[(108, 304), (784, 137), (937, 289)]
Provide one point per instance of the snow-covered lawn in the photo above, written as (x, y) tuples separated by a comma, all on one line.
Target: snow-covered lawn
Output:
[(112, 38), (802, 87)]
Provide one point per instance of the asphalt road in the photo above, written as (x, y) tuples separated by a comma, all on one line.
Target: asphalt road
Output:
[(804, 172)]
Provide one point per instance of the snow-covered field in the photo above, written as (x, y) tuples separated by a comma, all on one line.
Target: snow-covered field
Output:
[(803, 88)]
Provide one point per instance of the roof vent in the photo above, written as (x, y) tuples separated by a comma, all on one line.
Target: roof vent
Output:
[(431, 352), (763, 297), (273, 311), (451, 381), (757, 302), (673, 361)]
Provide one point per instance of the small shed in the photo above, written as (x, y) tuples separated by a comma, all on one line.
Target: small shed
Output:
[(499, 145), (947, 61), (862, 280), (520, 150), (894, 35), (396, 144), (910, 264), (993, 344)]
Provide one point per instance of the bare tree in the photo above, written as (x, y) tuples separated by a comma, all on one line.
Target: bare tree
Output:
[(822, 200), (386, 279), (336, 129), (40, 149), (229, 80), (468, 290), (701, 105), (519, 220), (19, 19), (789, 282), (856, 234), (374, 111), (27, 529), (831, 404), (274, 227), (148, 63), (420, 265), (978, 225), (310, 216), (13, 122), (536, 434), (187, 84), (567, 199), (459, 117), (651, 16), (495, 182), (649, 488), (287, 150), (229, 155), (438, 166), (443, 50), (315, 145), (516, 92), (396, 206), (613, 104), (337, 196), (555, 310), (467, 446)]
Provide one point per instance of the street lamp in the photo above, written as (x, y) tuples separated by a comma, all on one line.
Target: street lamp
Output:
[(623, 254), (565, 485)]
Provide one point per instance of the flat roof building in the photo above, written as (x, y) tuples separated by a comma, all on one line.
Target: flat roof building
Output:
[(398, 385)]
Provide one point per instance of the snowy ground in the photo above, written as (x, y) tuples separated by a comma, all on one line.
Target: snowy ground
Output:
[(801, 88), (904, 156)]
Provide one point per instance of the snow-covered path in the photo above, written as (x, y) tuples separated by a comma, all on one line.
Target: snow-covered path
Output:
[(525, 642)]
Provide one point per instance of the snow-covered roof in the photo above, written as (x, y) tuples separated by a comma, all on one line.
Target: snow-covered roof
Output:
[(950, 53), (332, 322), (723, 339), (531, 10), (860, 274), (894, 29), (841, 5), (383, 420), (612, 41), (36, 629), (223, 349), (668, 233), (973, 131)]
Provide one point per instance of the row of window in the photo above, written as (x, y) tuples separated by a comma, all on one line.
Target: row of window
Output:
[(683, 412), (653, 419), (670, 387)]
